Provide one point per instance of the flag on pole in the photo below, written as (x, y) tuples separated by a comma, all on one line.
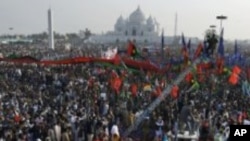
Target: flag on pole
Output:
[(233, 79), (162, 44), (221, 44), (189, 45), (132, 50), (198, 51), (184, 49), (183, 40), (235, 48)]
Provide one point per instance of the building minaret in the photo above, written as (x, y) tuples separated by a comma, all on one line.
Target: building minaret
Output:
[(51, 29), (175, 25)]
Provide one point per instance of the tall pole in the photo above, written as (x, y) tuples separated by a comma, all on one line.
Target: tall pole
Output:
[(175, 25), (51, 30), (162, 45), (221, 18), (11, 36)]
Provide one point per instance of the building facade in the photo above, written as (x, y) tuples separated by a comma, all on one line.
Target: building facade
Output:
[(136, 27)]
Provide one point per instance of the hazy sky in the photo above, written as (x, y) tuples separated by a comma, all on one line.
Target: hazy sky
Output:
[(194, 16)]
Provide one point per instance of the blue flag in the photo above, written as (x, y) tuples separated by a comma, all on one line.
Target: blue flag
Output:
[(189, 45), (235, 48), (183, 41), (221, 44), (184, 50)]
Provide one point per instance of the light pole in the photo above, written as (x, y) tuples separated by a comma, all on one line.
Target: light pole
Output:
[(10, 31), (221, 18), (11, 36), (213, 28)]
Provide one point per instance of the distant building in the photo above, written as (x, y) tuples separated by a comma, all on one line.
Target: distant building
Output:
[(16, 40), (135, 27)]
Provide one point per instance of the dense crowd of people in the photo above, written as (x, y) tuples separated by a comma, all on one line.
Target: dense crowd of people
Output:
[(77, 103), (62, 50)]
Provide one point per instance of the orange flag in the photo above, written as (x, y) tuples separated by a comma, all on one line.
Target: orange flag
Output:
[(236, 70), (233, 79)]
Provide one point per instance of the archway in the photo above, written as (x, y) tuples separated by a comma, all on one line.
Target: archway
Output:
[(134, 32), (126, 33)]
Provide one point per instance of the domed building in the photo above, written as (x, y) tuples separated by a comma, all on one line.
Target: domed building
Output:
[(136, 27)]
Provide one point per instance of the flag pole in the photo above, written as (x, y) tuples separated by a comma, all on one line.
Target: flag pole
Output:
[(124, 65), (162, 45)]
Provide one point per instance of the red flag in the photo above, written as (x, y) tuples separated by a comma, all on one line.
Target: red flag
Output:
[(157, 91), (220, 65), (116, 60), (189, 77), (131, 49), (236, 70), (198, 51), (248, 73), (175, 92), (185, 55), (17, 118), (117, 84), (133, 90)]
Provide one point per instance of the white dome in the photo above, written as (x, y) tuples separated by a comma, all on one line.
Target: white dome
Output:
[(150, 21), (120, 21), (137, 16)]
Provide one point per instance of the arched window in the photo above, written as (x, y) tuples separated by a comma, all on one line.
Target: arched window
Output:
[(134, 32), (117, 40), (126, 33), (142, 33)]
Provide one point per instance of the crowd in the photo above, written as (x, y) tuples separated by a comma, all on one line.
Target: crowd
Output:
[(40, 51), (77, 103)]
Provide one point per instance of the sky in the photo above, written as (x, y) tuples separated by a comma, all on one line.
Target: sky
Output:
[(194, 16)]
